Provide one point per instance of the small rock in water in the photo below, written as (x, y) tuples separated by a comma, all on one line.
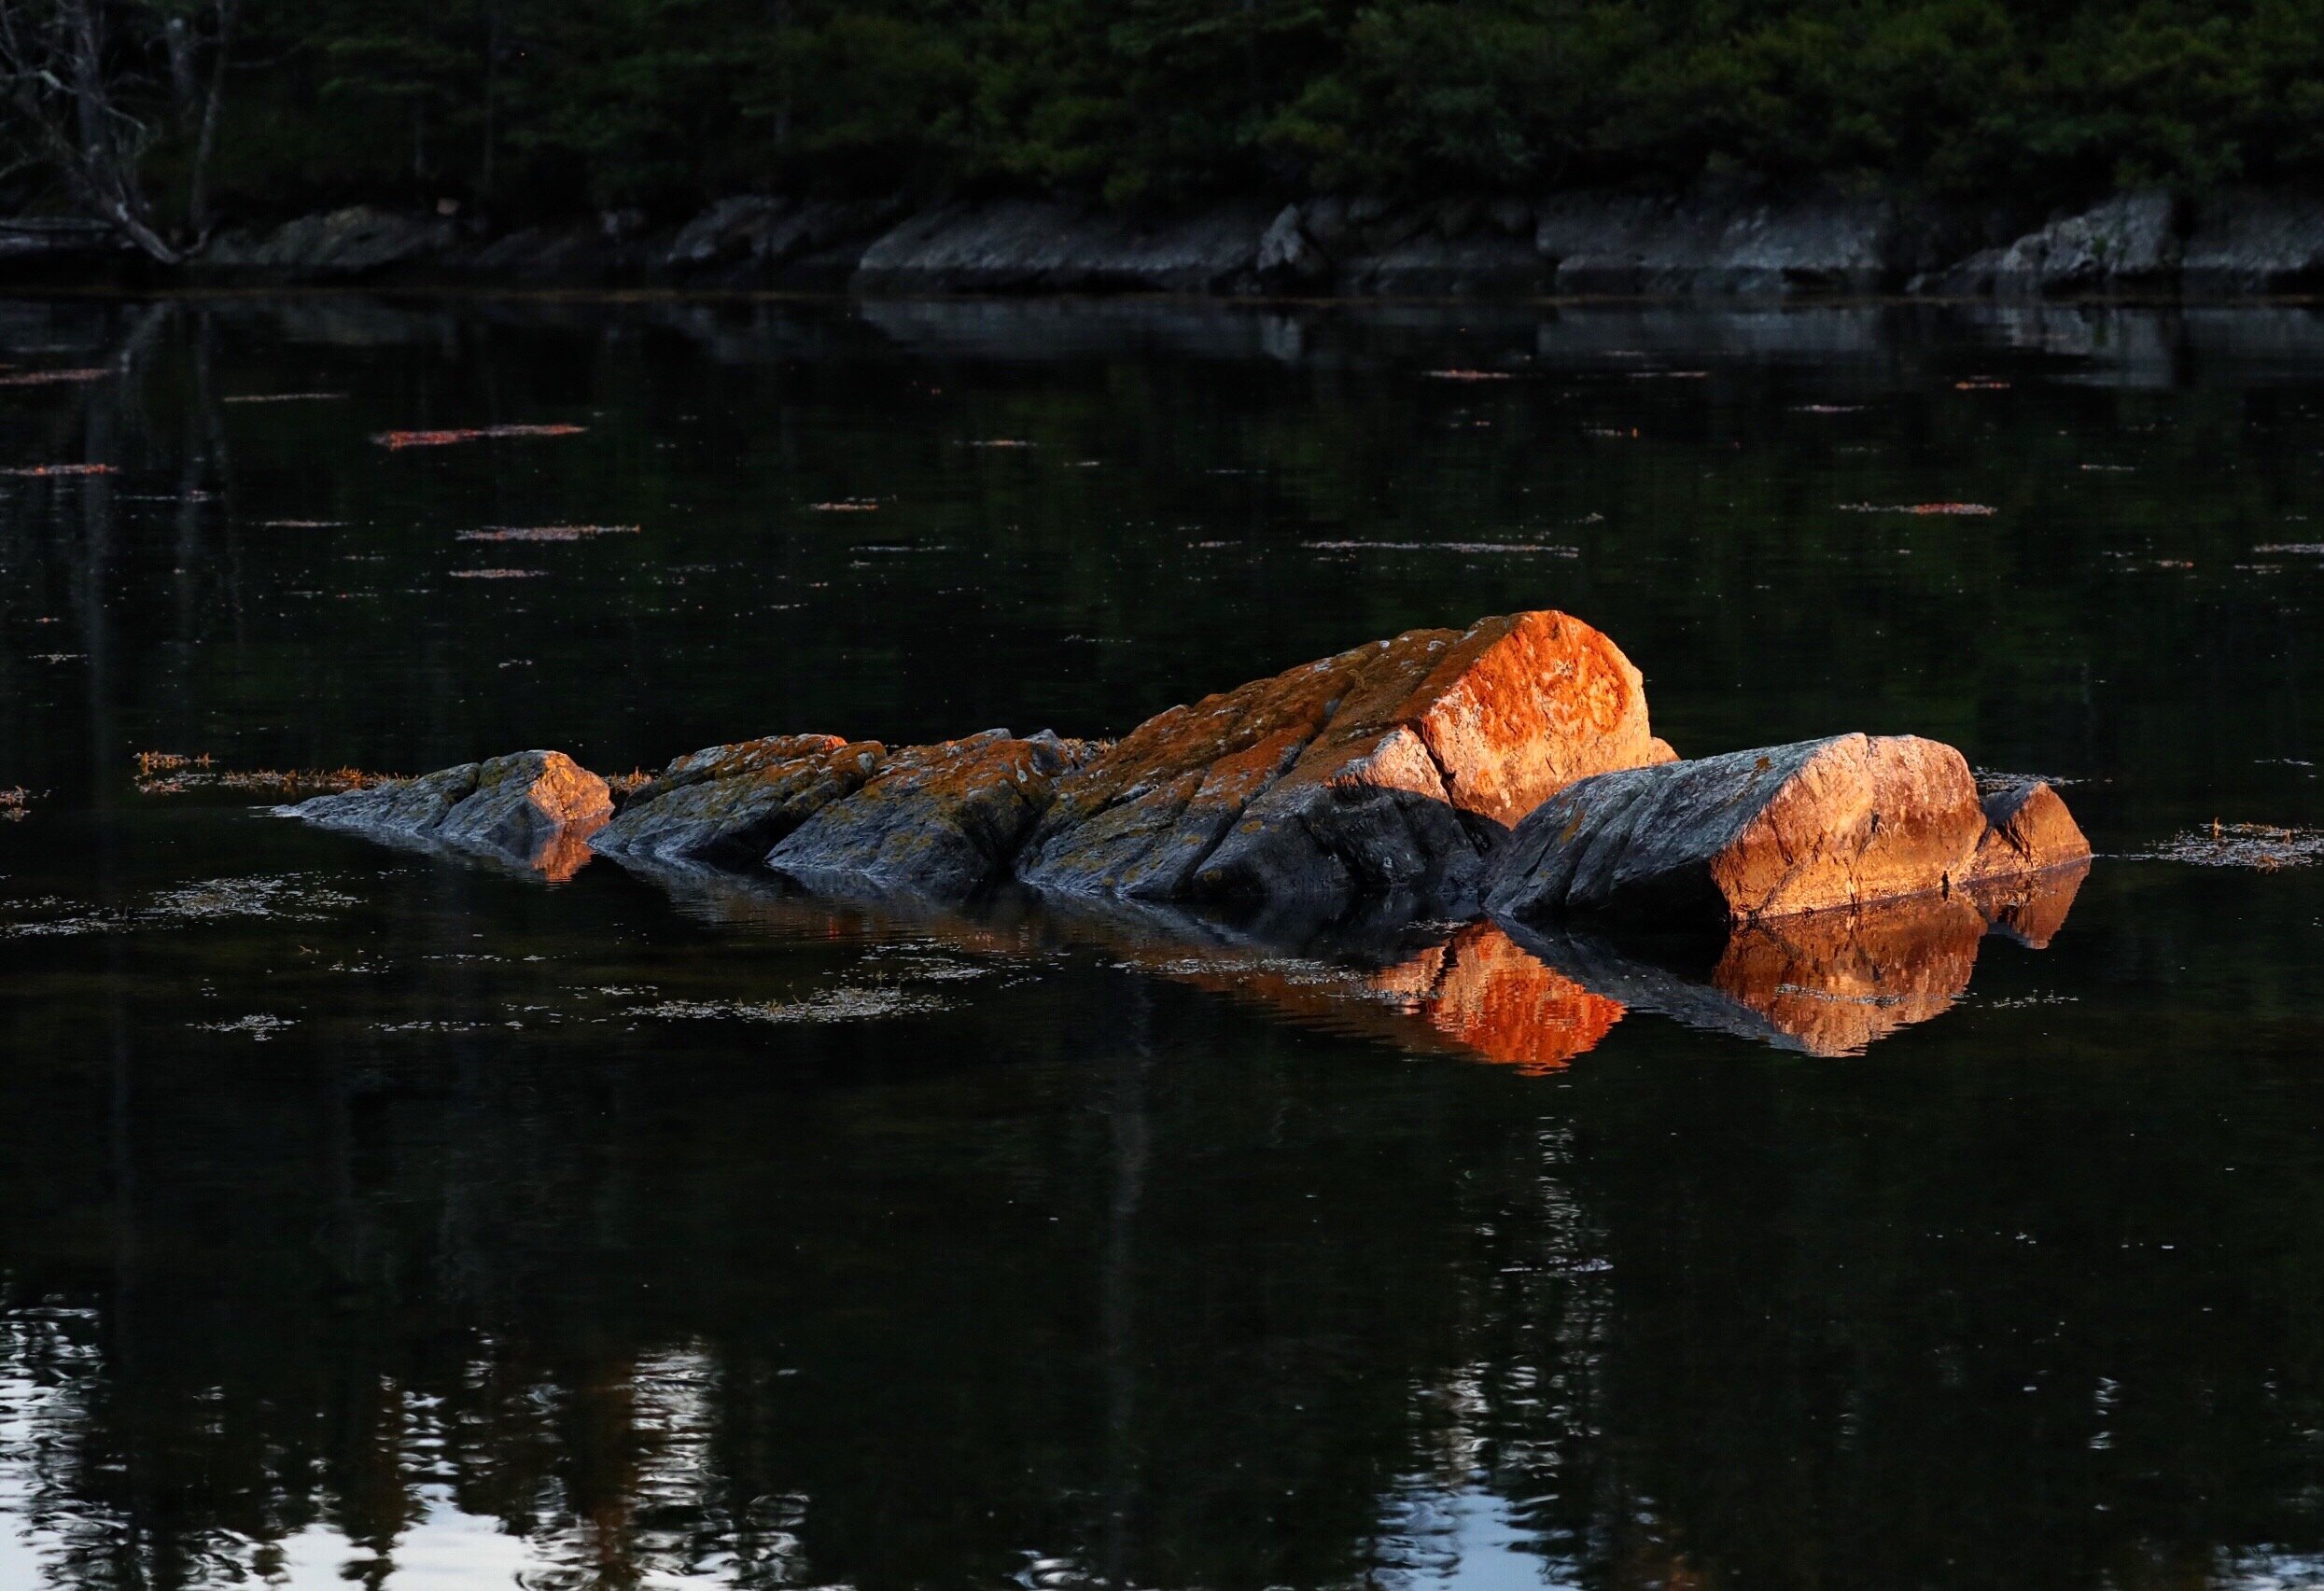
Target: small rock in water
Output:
[(1812, 825), (531, 806)]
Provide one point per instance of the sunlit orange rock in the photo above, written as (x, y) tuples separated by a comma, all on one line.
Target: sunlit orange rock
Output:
[(1389, 768), (516, 807), (1815, 826)]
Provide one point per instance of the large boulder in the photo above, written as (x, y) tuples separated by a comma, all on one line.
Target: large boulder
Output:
[(724, 805), (1709, 244), (942, 821), (1037, 245), (534, 807), (354, 242), (1389, 769), (1812, 825), (2256, 243)]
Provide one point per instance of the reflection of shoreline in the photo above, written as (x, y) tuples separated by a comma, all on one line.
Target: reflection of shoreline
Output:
[(1826, 984)]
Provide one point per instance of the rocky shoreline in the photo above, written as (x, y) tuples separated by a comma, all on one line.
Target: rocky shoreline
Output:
[(2146, 244), (1503, 777)]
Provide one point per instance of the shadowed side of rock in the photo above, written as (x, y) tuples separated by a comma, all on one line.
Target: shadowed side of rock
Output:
[(724, 805), (1813, 826), (945, 820), (1390, 768), (533, 807)]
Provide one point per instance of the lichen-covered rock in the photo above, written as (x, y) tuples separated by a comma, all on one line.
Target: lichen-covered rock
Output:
[(724, 805), (1813, 826), (943, 820), (1389, 768), (532, 806)]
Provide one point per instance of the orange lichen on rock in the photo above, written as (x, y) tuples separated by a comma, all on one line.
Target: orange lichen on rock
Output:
[(1815, 826), (518, 807), (396, 441), (1382, 769), (726, 805)]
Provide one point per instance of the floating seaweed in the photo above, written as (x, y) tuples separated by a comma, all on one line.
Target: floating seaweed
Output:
[(2307, 549), (52, 378), (1468, 376), (1981, 384), (848, 1003), (497, 574), (1967, 511), (302, 524), (47, 471), (257, 1028), (545, 532), (15, 804), (844, 506), (1543, 548), (2263, 846), (285, 397), (397, 441)]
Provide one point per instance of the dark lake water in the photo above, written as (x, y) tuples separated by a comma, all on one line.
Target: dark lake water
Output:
[(368, 1216)]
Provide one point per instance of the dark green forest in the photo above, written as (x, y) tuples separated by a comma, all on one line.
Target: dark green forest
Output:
[(524, 108)]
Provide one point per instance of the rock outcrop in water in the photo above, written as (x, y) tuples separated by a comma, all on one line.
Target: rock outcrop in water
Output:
[(1390, 769), (945, 819), (1815, 826), (726, 805), (534, 808)]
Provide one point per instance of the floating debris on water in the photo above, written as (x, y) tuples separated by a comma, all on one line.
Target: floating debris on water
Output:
[(55, 471), (1002, 443), (1468, 376), (1827, 408), (545, 532), (1981, 384), (52, 378), (1668, 375), (302, 524), (259, 1028), (844, 506), (2309, 549), (285, 397), (171, 773), (2111, 468), (395, 440), (297, 897), (845, 1004), (15, 804), (1967, 510), (1543, 548), (2264, 847), (497, 574)]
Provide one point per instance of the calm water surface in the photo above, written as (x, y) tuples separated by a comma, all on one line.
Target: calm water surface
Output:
[(369, 1216)]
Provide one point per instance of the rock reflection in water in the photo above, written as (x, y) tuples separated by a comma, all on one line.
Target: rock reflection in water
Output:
[(1826, 983)]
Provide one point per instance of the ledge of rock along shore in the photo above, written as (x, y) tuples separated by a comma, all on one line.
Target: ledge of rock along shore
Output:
[(1393, 768), (533, 807), (1813, 826)]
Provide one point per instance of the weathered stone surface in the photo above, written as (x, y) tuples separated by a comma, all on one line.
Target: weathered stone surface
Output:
[(724, 805), (1812, 825), (2255, 243), (2128, 242), (531, 806), (1387, 768), (353, 242), (1598, 243), (943, 820), (1020, 245)]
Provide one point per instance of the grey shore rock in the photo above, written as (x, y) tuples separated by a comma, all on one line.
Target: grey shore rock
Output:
[(1036, 245), (2128, 243), (2255, 243), (943, 820), (1815, 826), (537, 808), (1621, 244), (359, 241)]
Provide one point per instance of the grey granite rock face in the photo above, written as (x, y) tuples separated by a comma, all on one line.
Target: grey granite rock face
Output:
[(2255, 243), (519, 806), (2129, 242), (1036, 245), (723, 807), (943, 820), (354, 242)]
